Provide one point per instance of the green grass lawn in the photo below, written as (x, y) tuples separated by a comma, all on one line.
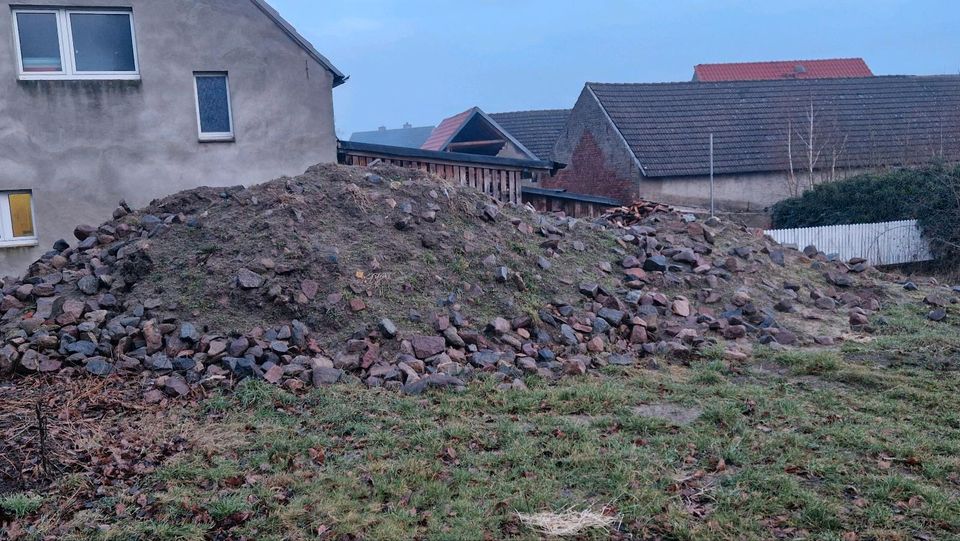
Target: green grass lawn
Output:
[(857, 443)]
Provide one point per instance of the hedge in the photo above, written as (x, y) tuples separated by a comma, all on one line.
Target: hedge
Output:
[(931, 195)]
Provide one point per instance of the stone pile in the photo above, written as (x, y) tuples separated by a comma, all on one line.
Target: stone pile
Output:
[(678, 286)]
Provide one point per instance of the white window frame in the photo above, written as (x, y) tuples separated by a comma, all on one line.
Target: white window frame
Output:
[(7, 240), (67, 52), (211, 137)]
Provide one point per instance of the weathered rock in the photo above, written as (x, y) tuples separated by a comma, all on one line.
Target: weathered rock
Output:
[(176, 387), (427, 346), (247, 279), (611, 316), (326, 376), (84, 231), (499, 325), (88, 285), (387, 328), (681, 307), (433, 381), (937, 315), (656, 263), (98, 366)]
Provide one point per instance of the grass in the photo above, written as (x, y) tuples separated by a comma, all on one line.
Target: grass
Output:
[(20, 505), (837, 442)]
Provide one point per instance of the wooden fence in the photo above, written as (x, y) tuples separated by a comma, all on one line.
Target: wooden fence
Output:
[(886, 243), (500, 178)]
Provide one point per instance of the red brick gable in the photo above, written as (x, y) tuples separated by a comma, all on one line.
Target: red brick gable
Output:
[(589, 174)]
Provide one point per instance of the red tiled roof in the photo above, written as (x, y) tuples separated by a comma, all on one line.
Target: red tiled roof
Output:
[(446, 129), (786, 69)]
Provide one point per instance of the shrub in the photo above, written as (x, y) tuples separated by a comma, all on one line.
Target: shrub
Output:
[(931, 195)]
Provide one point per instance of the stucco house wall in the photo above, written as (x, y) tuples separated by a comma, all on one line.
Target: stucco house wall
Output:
[(81, 146)]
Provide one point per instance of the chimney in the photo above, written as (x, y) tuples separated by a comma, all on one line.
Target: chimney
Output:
[(382, 128), (407, 125)]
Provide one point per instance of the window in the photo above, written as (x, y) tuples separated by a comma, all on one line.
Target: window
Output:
[(214, 116), (75, 44), (16, 219)]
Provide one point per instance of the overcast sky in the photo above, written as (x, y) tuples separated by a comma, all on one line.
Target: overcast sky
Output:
[(419, 61)]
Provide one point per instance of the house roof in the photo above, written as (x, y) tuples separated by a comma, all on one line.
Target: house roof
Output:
[(537, 130), (866, 122), (401, 137), (450, 127), (785, 69), (447, 129), (338, 77)]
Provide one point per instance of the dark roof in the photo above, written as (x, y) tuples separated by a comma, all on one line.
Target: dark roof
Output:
[(442, 155), (268, 10), (832, 68), (569, 196), (400, 137), (867, 122), (536, 130)]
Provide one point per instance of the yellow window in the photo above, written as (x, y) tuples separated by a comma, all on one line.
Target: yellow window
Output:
[(21, 215)]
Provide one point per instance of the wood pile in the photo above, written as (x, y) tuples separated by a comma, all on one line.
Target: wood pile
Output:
[(635, 212)]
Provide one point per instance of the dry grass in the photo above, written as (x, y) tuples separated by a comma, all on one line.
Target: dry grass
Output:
[(569, 523)]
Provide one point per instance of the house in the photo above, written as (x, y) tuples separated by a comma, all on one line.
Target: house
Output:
[(771, 139), (135, 99), (475, 132), (408, 136), (835, 68)]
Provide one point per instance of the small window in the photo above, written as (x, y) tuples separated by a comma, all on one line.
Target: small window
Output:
[(75, 44), (214, 115), (39, 42), (16, 219)]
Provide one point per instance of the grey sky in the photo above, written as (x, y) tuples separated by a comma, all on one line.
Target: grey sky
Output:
[(421, 60)]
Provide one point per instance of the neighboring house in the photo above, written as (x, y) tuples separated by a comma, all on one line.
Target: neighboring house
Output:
[(772, 139), (134, 99), (536, 130), (408, 136), (475, 132), (835, 68)]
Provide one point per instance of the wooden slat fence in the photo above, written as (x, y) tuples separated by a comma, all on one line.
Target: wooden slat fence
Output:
[(500, 178), (885, 243)]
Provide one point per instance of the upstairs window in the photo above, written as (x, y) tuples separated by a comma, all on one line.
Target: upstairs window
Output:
[(214, 114), (75, 44), (16, 219)]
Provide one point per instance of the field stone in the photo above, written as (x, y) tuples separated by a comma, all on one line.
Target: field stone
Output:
[(176, 387), (937, 315), (387, 328), (427, 346), (247, 279), (656, 263), (98, 366), (621, 360)]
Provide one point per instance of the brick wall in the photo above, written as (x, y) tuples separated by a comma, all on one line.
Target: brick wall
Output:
[(588, 173)]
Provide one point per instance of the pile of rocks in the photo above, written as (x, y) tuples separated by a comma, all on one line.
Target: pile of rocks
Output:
[(678, 286)]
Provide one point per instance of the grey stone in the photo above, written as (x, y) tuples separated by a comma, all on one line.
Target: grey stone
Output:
[(434, 381), (387, 328), (614, 317), (88, 285), (247, 279), (98, 366), (656, 263), (326, 376)]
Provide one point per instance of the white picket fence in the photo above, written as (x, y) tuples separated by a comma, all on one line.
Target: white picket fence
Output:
[(886, 243)]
